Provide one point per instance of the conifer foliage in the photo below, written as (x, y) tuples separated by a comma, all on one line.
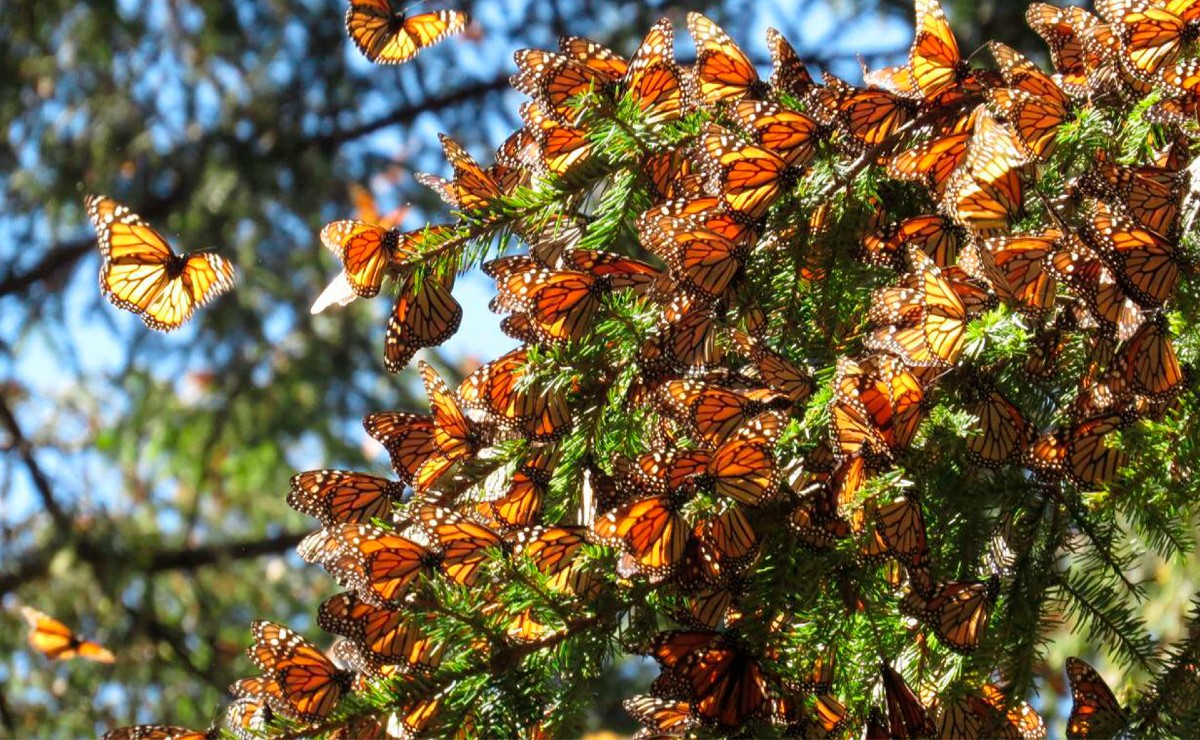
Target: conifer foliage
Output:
[(830, 400)]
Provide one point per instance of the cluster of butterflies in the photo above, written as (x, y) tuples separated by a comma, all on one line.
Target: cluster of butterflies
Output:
[(697, 515)]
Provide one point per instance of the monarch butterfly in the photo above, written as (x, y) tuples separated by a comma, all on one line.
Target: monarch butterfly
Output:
[(521, 503), (408, 439), (424, 316), (1089, 460), (660, 717), (958, 612), (462, 542), (725, 685), (776, 371), (472, 187), (923, 324), (743, 467), (1149, 195), (391, 637), (1017, 269), (389, 563), (1105, 301), (594, 56), (671, 172), (712, 412), (265, 693), (553, 551), (327, 549), (901, 529), (1002, 431), (789, 75), (822, 717), (1148, 365), (869, 117), (57, 641), (721, 547), (142, 275), (1106, 53), (343, 496), (1095, 711), (703, 261), (932, 161), (160, 732), (563, 148), (934, 62), (247, 717), (749, 177), (1032, 104), (875, 409), (1063, 31), (653, 81), (788, 133), (311, 684), (386, 36), (503, 388), (684, 343), (368, 251), (650, 529), (454, 435), (705, 213), (554, 81), (1153, 36), (1143, 262), (560, 304), (722, 71), (907, 716), (1009, 718), (985, 192)]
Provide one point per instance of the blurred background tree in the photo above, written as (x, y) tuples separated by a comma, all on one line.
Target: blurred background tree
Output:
[(142, 476)]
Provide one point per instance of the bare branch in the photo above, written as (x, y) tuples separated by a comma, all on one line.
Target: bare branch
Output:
[(40, 482)]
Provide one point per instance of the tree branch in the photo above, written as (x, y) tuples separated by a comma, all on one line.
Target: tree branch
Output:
[(40, 482), (56, 259), (191, 558)]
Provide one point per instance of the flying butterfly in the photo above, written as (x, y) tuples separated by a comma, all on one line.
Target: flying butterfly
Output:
[(1095, 711), (311, 684), (57, 641), (142, 275), (387, 36)]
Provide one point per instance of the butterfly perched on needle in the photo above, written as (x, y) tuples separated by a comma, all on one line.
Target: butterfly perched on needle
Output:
[(141, 273), (387, 36), (57, 641)]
